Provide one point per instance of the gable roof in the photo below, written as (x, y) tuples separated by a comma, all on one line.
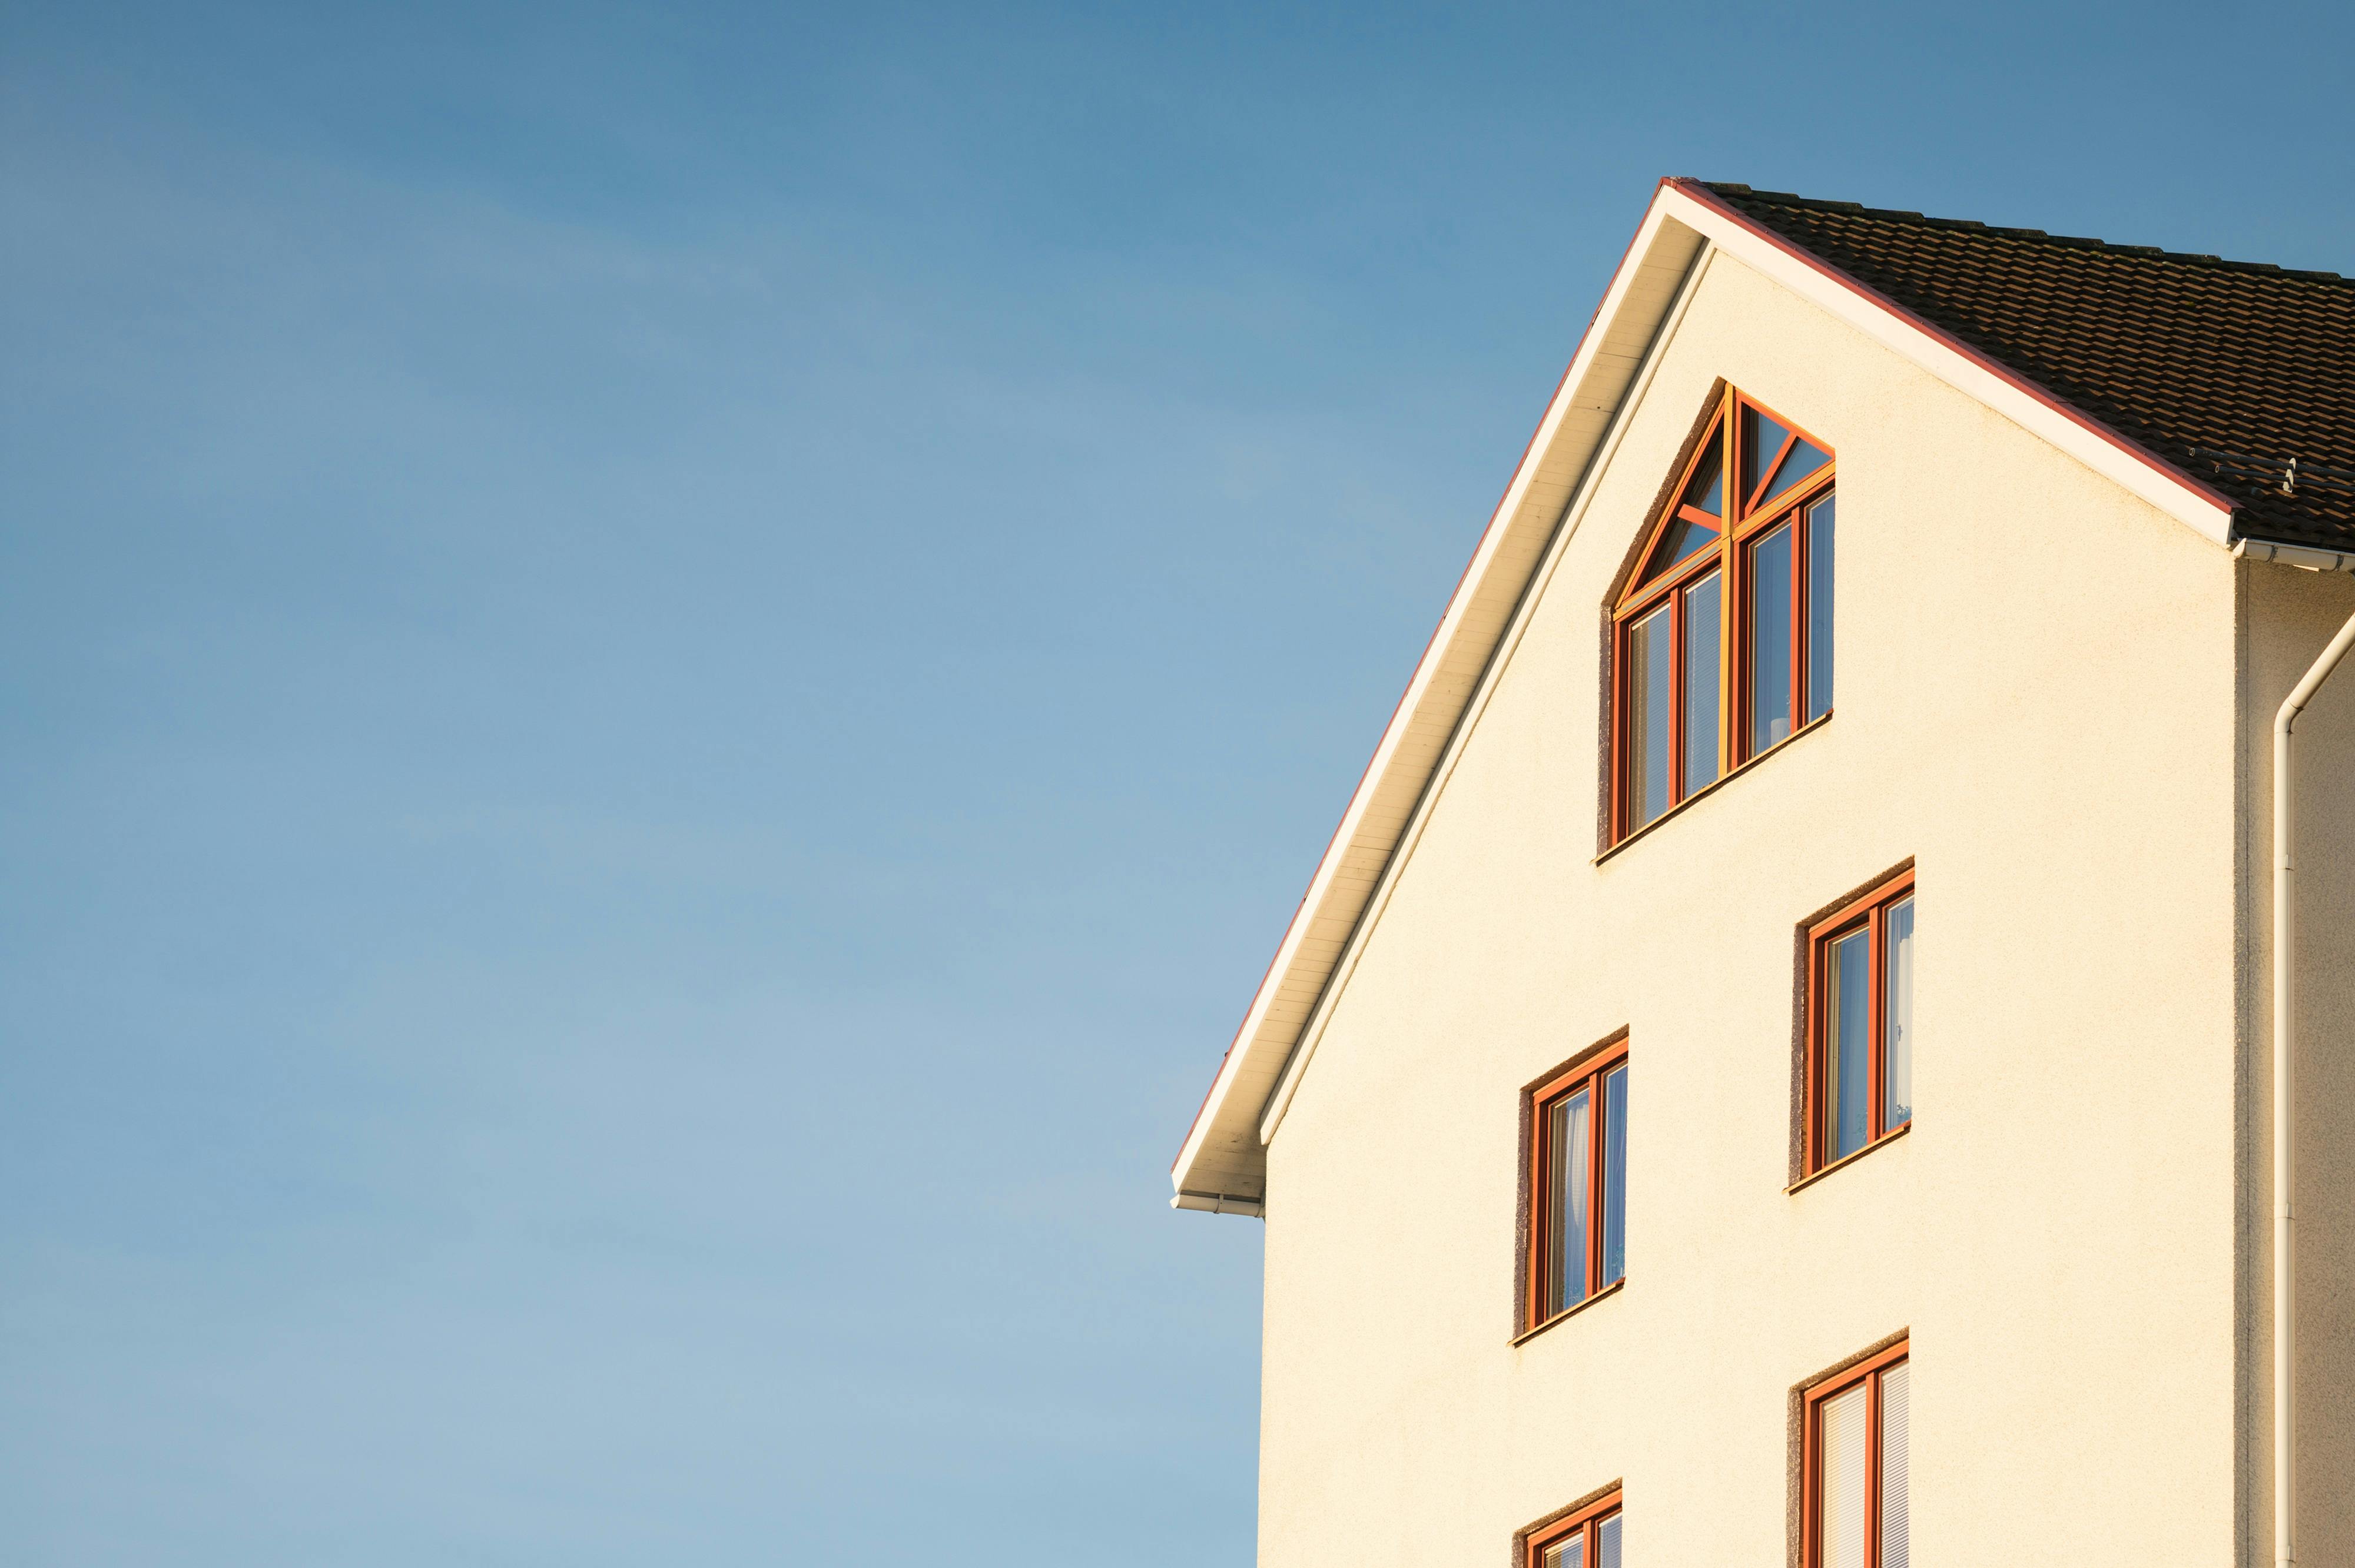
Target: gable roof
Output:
[(2228, 370), (1979, 347)]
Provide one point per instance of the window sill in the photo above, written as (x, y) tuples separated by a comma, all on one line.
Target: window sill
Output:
[(1845, 1160), (1703, 793), (1614, 1288)]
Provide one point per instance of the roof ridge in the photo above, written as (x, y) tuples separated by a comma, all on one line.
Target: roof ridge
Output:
[(1895, 215)]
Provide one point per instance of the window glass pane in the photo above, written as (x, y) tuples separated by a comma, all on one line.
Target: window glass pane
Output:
[(1769, 640), (1566, 1284), (1819, 607), (1650, 711), (1567, 1553), (1840, 1472), (1848, 1038), (1683, 540), (1706, 489), (1614, 1175), (1892, 1466), (1805, 458), (1897, 1073), (1762, 437), (1702, 637), (1607, 1542)]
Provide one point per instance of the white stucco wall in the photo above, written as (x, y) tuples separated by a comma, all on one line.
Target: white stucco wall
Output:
[(2058, 1232)]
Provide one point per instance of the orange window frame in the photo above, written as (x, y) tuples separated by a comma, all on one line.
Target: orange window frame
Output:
[(1867, 1371), (1588, 1075), (1868, 912), (1585, 1523), (1751, 518)]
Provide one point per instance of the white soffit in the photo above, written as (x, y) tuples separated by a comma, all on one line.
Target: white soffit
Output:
[(1223, 1167)]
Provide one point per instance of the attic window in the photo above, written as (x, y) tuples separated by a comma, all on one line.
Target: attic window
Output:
[(1722, 644)]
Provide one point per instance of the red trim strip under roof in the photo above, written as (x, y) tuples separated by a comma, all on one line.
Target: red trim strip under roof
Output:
[(1696, 191)]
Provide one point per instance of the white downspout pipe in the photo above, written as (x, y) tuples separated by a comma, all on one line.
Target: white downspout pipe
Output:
[(2284, 1128)]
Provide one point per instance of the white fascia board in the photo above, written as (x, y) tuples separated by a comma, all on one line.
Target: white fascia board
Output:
[(1222, 1164), (2107, 453)]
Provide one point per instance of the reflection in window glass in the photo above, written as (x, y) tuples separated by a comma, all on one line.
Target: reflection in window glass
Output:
[(1651, 710), (1847, 1042), (1572, 1154), (1769, 640), (1702, 637), (1893, 1456), (1707, 489), (1614, 1175), (1762, 439), (1819, 608), (1806, 457), (1841, 1475), (1607, 1542), (1678, 544), (1897, 1072), (1568, 1554)]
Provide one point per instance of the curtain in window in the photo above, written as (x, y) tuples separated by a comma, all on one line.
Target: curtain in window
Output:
[(1571, 1156), (1569, 1553), (1607, 1542)]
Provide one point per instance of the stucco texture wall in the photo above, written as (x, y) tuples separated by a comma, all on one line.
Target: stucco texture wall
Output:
[(2036, 701)]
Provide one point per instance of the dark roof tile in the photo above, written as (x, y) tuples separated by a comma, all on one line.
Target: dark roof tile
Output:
[(2226, 369)]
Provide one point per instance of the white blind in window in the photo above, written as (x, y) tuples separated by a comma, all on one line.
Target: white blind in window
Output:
[(1893, 1456), (1569, 1553), (1841, 1475), (1607, 1542)]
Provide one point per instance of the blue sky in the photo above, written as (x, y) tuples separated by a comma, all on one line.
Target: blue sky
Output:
[(665, 671)]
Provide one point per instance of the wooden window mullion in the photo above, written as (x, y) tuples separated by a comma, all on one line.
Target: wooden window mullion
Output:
[(1541, 1206), (1797, 577), (1676, 715), (1802, 567), (1816, 962), (1811, 1484), (1594, 1183), (1872, 1471), (1874, 1053), (1618, 730)]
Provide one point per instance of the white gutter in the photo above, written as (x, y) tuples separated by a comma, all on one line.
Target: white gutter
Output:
[(2285, 1019), (2304, 556)]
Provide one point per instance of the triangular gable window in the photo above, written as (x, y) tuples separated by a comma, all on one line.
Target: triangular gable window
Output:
[(1723, 638)]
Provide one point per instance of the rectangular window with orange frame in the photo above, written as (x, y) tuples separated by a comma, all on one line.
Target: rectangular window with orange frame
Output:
[(1722, 639), (1859, 1029), (1577, 1242), (1854, 1512), (1587, 1537)]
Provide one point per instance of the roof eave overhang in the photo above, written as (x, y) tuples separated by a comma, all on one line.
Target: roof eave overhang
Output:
[(1222, 1166)]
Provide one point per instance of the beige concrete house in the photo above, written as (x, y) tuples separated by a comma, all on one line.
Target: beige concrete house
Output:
[(1861, 730)]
